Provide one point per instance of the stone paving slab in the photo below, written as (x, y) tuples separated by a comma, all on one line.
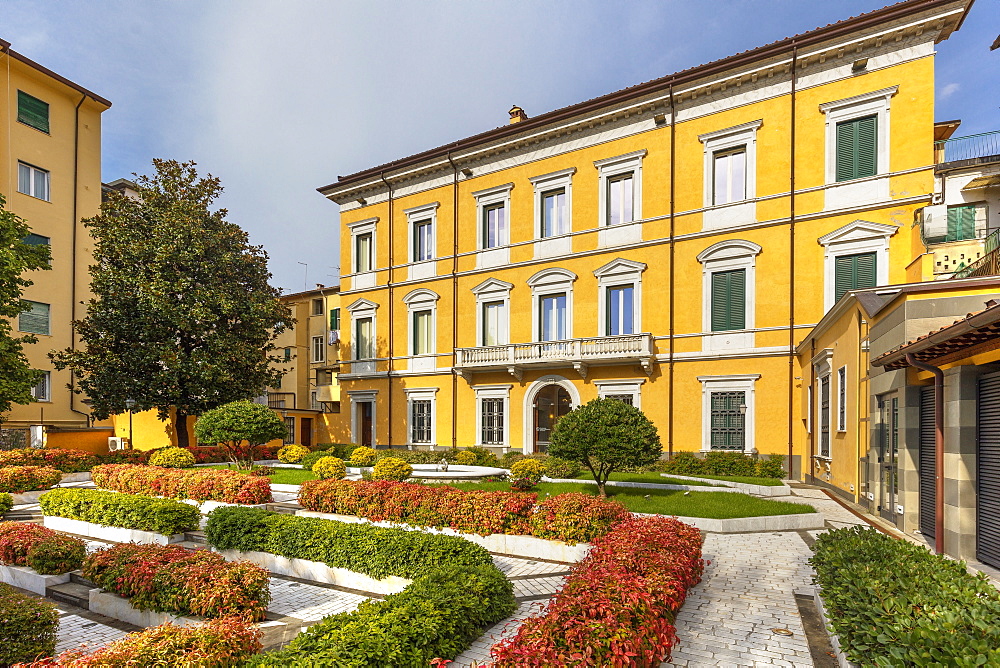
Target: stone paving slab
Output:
[(514, 567), (75, 631), (309, 602), (480, 650), (535, 587)]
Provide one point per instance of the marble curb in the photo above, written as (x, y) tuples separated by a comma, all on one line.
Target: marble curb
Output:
[(22, 498), (747, 488), (528, 547), (108, 533), (30, 579), (842, 659), (317, 571), (793, 522), (80, 476), (647, 485)]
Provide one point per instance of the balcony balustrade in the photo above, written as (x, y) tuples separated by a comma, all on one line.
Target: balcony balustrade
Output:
[(971, 148)]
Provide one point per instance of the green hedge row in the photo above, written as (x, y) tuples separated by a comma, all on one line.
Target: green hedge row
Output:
[(893, 603), (439, 615), (131, 511), (27, 627), (6, 502), (375, 551)]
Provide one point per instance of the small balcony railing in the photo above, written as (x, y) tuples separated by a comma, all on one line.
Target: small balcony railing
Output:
[(279, 400), (578, 353), (983, 145), (988, 264)]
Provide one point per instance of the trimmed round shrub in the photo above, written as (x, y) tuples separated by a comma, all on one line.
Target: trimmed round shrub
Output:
[(57, 554), (6, 502), (465, 458), (18, 479), (330, 467), (313, 457), (364, 456), (484, 457), (292, 454), (172, 458), (241, 429), (391, 468), (526, 473), (261, 471), (561, 468), (27, 627)]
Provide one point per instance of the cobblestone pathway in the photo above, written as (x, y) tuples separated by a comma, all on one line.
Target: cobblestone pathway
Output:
[(76, 631), (309, 602)]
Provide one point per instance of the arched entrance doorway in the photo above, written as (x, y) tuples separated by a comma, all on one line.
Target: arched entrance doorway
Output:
[(551, 403)]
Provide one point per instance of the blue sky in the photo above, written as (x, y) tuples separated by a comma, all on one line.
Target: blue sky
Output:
[(278, 98)]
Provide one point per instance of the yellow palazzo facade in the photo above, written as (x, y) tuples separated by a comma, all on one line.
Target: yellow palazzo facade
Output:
[(669, 244)]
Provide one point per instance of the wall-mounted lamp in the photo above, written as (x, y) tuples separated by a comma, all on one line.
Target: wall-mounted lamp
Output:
[(743, 409), (660, 119), (859, 65)]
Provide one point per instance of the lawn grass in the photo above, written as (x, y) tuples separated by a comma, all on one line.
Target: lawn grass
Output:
[(646, 477), (748, 480), (717, 505), (281, 476)]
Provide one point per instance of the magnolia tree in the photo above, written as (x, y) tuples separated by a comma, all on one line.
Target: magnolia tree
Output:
[(241, 428), (606, 435)]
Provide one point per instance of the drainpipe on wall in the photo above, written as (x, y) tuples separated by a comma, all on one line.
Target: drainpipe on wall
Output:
[(791, 275), (454, 302), (938, 448), (76, 223), (670, 367)]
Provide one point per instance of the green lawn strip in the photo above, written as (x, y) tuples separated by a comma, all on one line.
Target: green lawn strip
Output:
[(281, 476), (748, 480), (647, 477), (715, 505)]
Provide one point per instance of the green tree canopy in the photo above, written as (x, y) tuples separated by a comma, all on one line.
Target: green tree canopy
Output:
[(606, 435), (17, 378), (240, 427), (182, 313)]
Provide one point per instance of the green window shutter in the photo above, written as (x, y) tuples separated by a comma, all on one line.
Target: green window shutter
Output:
[(845, 151), (961, 223), (857, 148), (728, 300), (854, 272), (335, 318), (32, 111), (34, 319), (865, 272)]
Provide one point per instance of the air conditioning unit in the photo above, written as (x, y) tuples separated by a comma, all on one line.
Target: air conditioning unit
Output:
[(117, 443)]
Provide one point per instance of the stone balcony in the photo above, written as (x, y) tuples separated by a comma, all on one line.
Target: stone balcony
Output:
[(577, 353)]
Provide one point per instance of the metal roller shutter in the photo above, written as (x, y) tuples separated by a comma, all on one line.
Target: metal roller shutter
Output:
[(988, 506), (925, 461)]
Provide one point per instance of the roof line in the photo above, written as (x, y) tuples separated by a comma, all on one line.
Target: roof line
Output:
[(898, 10), (970, 323), (5, 48)]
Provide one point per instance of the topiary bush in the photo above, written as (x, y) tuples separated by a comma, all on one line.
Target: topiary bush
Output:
[(45, 550), (526, 473), (27, 627), (391, 468), (143, 513), (313, 457), (465, 458), (241, 428), (172, 458), (364, 456), (330, 468), (6, 503), (17, 479), (606, 435), (292, 453)]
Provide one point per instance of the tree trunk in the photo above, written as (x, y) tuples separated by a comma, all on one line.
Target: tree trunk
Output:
[(181, 425), (600, 489)]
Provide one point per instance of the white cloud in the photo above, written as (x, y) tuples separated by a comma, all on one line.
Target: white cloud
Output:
[(948, 90)]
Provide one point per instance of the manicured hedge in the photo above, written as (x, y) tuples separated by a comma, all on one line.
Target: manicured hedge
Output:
[(48, 552), (724, 463), (893, 603), (219, 643), (143, 513), (6, 502), (198, 484), (173, 458), (27, 627), (439, 615), (67, 461), (618, 605), (567, 517), (170, 578), (213, 454), (375, 551), (28, 478)]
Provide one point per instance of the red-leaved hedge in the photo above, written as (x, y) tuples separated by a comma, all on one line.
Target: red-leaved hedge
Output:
[(69, 460), (618, 605), (212, 454), (198, 484), (45, 550), (571, 517), (219, 643), (16, 479), (169, 578)]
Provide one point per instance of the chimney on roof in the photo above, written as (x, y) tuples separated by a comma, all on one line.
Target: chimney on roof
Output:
[(517, 114)]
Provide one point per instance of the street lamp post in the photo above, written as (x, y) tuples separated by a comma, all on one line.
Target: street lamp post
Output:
[(130, 404)]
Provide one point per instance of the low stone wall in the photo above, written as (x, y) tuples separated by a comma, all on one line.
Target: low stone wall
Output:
[(319, 572), (30, 579), (649, 485), (746, 488), (80, 476), (513, 545), (24, 498), (794, 522), (103, 532)]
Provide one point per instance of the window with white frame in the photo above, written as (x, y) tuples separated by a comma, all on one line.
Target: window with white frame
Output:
[(728, 412), (729, 177), (553, 203), (823, 370), (856, 256), (318, 349), (421, 406), (32, 181), (729, 294), (619, 285), (730, 164), (363, 252), (421, 328), (363, 334), (492, 415), (422, 307), (620, 182), (492, 309), (42, 391), (493, 205), (624, 389), (842, 399), (552, 294), (422, 233)]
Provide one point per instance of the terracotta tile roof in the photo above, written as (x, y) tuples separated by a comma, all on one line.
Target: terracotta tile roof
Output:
[(975, 328)]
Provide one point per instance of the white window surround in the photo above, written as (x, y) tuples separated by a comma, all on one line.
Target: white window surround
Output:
[(358, 397), (318, 349), (528, 442), (860, 236), (45, 383), (630, 386), (809, 409), (417, 300), (859, 191), (499, 256), (421, 394), (729, 255), (493, 290), (607, 168), (734, 383), (548, 282), (619, 272), (493, 392), (419, 214), (365, 279), (823, 369), (560, 244), (360, 309), (841, 411), (733, 213)]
